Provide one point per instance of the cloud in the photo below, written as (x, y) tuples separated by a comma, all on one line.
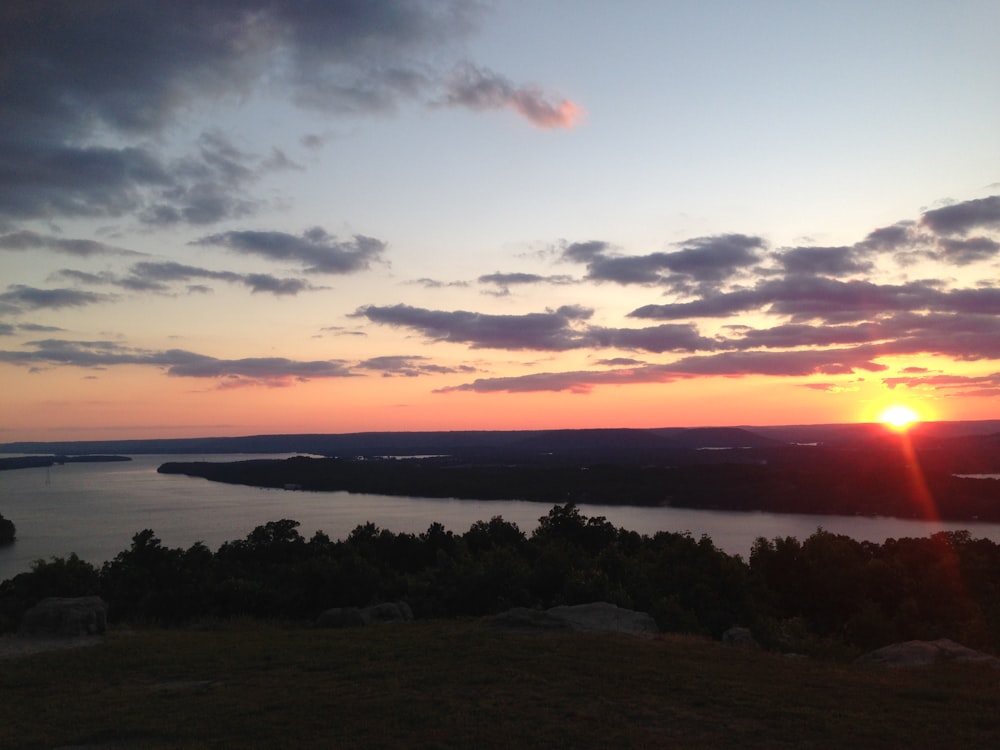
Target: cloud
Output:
[(410, 366), (9, 329), (727, 364), (341, 331), (584, 252), (961, 218), (159, 271), (427, 283), (682, 337), (132, 66), (891, 238), (19, 297), (798, 335), (785, 363), (156, 276), (581, 381), (556, 330), (965, 251), (264, 282), (829, 261), (703, 260), (315, 249), (46, 179), (960, 335), (619, 362), (549, 331), (176, 362), (90, 89), (482, 89), (26, 240), (806, 297), (983, 386), (503, 281)]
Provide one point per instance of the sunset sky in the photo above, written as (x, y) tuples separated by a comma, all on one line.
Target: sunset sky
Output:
[(234, 218)]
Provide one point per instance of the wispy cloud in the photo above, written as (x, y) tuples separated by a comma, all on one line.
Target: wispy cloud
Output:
[(20, 297), (987, 386), (157, 276), (315, 249), (480, 88), (410, 366), (550, 331), (504, 281), (27, 240), (247, 371), (557, 330)]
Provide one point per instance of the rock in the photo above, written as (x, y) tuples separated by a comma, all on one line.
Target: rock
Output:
[(594, 617), (740, 638), (387, 612), (66, 617), (340, 617), (346, 617), (523, 617), (919, 653)]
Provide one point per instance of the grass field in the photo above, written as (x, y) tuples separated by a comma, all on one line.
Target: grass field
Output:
[(457, 684)]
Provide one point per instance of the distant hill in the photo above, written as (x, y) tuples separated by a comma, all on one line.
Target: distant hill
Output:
[(607, 445), (702, 438), (615, 445), (854, 433)]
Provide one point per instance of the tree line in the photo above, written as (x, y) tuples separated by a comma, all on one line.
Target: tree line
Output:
[(827, 595)]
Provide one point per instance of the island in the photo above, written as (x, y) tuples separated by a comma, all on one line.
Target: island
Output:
[(885, 474)]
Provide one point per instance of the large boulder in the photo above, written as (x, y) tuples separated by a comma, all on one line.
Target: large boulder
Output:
[(340, 617), (387, 612), (521, 618), (346, 617), (739, 638), (65, 617), (920, 653), (593, 617)]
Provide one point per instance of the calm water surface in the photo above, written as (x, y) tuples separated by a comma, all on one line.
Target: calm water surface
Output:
[(95, 509)]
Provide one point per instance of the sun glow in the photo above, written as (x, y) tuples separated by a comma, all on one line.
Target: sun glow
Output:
[(898, 417)]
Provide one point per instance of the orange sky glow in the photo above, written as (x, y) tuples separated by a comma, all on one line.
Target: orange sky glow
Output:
[(451, 215)]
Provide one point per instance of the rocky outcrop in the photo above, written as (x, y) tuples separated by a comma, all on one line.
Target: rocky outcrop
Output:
[(65, 617), (920, 653), (594, 617), (347, 617)]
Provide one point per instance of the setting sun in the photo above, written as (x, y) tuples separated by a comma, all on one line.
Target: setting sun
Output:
[(898, 417)]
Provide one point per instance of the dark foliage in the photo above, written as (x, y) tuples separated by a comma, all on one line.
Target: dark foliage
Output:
[(828, 594), (8, 533), (884, 474)]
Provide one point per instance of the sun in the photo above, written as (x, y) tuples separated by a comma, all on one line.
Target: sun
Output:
[(898, 417)]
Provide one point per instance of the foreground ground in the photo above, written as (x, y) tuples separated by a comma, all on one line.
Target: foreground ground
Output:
[(457, 684)]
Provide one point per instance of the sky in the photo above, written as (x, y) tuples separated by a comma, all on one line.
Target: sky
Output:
[(263, 217)]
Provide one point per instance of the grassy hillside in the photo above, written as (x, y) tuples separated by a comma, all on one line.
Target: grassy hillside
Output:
[(461, 683)]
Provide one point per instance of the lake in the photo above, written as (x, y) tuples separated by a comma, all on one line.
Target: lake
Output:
[(94, 509)]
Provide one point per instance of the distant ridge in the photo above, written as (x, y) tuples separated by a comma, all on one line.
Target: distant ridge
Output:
[(699, 438), (614, 445), (608, 444)]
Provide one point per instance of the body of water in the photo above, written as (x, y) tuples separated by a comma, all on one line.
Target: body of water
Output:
[(94, 509)]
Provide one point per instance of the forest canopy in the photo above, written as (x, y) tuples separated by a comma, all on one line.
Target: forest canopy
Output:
[(828, 594)]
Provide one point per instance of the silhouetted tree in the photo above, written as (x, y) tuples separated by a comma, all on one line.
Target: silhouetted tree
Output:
[(8, 532)]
